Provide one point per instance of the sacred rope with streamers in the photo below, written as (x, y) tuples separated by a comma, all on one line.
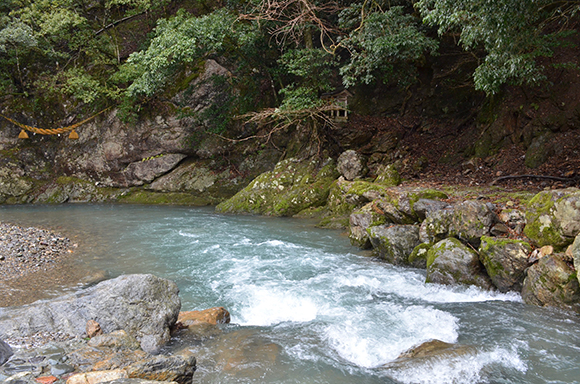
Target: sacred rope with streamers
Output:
[(53, 131)]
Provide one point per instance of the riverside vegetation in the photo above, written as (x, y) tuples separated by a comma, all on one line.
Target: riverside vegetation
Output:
[(220, 105)]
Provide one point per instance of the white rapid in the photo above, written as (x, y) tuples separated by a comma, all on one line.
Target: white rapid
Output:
[(308, 308)]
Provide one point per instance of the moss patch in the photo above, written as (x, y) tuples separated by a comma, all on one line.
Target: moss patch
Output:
[(139, 196)]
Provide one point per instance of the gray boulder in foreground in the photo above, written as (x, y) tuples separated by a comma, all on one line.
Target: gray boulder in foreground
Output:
[(145, 306)]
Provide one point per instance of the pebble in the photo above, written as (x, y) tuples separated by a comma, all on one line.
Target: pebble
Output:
[(26, 250)]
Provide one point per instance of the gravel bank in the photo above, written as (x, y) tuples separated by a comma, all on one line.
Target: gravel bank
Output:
[(35, 264), (28, 250)]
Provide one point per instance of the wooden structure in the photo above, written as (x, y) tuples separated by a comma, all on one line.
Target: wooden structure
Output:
[(338, 100)]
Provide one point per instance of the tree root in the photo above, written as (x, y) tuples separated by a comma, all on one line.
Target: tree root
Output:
[(555, 178)]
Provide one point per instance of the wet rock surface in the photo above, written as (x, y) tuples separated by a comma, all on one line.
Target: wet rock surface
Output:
[(144, 305)]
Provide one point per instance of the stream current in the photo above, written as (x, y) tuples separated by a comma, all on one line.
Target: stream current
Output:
[(306, 307)]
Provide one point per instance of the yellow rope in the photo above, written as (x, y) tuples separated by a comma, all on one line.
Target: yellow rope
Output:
[(53, 131)]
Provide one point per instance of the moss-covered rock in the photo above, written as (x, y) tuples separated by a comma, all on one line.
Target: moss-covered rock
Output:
[(291, 187), (418, 258), (13, 186), (552, 282), (141, 196), (359, 223), (468, 221), (505, 261), (398, 203), (394, 243), (451, 262), (388, 176), (76, 190), (553, 218)]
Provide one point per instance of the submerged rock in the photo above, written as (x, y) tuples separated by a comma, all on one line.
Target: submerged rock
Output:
[(451, 262), (505, 261), (429, 351), (143, 305), (552, 283)]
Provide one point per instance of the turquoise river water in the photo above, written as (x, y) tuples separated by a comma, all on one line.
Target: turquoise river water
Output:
[(306, 307)]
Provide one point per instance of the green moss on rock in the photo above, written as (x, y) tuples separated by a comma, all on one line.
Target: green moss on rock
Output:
[(140, 196), (290, 188), (418, 258)]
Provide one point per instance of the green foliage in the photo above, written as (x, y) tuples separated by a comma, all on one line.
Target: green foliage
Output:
[(512, 32), (385, 46), (178, 41), (312, 69)]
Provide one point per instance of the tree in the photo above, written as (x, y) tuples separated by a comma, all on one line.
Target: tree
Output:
[(513, 33)]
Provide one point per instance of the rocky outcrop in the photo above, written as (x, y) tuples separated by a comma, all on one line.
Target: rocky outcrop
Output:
[(469, 221), (351, 165), (451, 262), (552, 282), (147, 170), (13, 186), (394, 243), (291, 187), (553, 218), (505, 261), (143, 305)]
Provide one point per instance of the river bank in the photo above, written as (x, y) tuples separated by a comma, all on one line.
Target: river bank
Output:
[(35, 263)]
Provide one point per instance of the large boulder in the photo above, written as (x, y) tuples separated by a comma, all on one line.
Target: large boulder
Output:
[(505, 261), (451, 262), (351, 165), (553, 218), (291, 187), (551, 282), (469, 221), (394, 243), (143, 305)]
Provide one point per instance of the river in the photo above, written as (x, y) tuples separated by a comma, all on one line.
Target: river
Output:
[(306, 307)]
